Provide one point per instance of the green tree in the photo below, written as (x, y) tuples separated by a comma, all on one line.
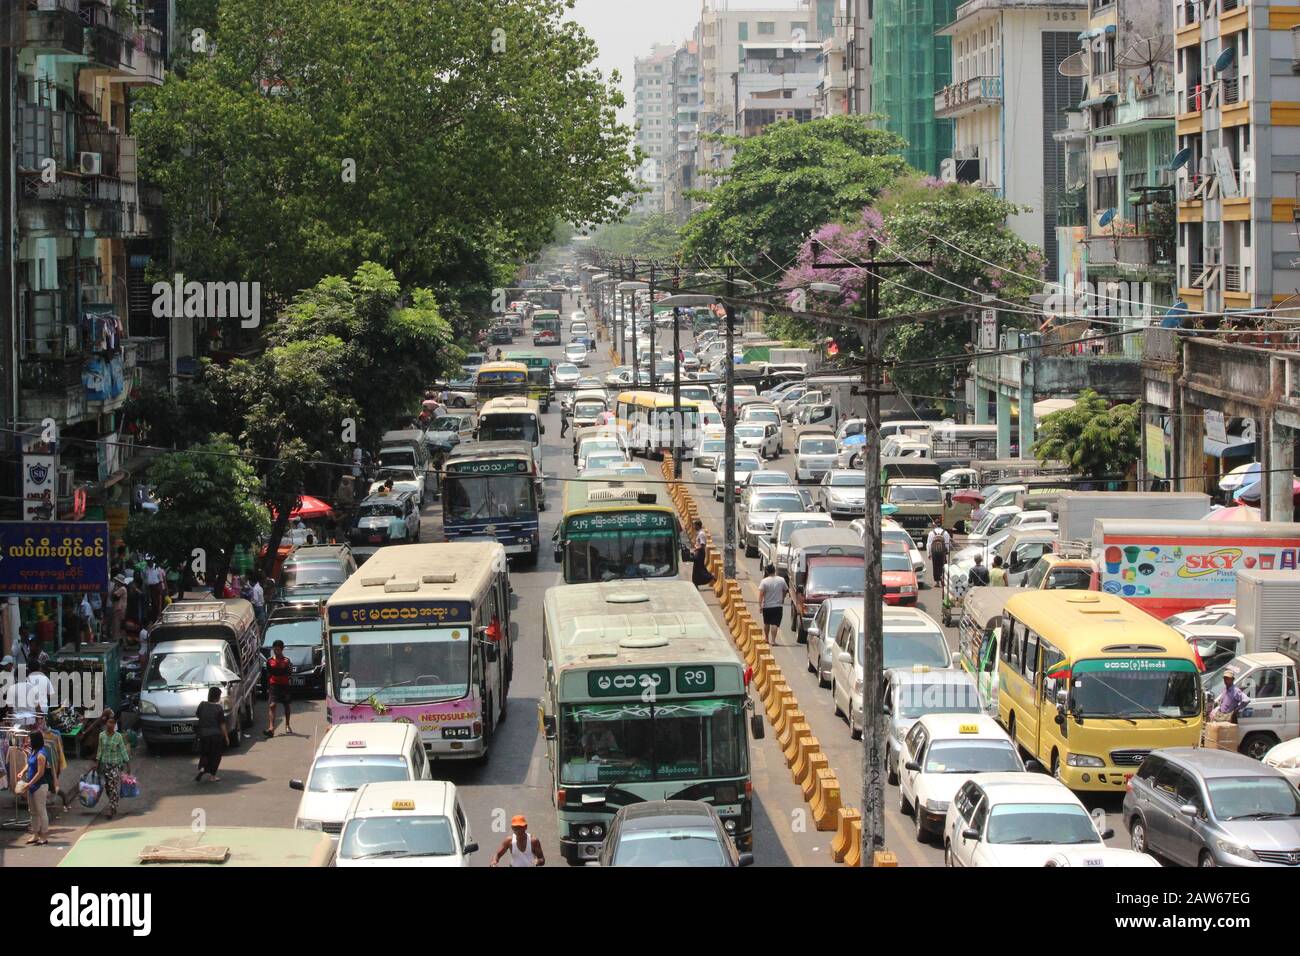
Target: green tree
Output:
[(1097, 439), (318, 134), (792, 179), (653, 236), (209, 499)]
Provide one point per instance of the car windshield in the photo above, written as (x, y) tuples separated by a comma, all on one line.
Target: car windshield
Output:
[(508, 427), (667, 739), (971, 756), (1134, 688), (347, 772), (312, 573), (895, 561), (568, 369), (401, 458), (750, 431), (1070, 579), (918, 698), (900, 537), (1253, 798), (447, 423), (1215, 651), (1041, 823), (182, 669), (914, 494), (748, 464), (851, 479), (798, 524), (301, 633), (712, 445), (379, 509), (907, 649), (370, 838), (671, 846), (817, 446), (776, 503), (835, 579), (765, 415)]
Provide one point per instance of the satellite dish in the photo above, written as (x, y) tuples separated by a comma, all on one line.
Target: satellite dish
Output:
[(1180, 159), (1106, 217), (1076, 64), (1226, 59), (1147, 53)]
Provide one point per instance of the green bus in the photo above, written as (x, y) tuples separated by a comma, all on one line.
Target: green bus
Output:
[(615, 529), (540, 386), (645, 699), (546, 327)]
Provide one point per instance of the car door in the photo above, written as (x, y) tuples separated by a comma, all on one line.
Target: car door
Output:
[(913, 750), (1266, 689), (823, 498), (972, 815), (1161, 810), (842, 665)]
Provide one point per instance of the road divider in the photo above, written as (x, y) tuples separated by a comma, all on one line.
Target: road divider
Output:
[(848, 837), (825, 803)]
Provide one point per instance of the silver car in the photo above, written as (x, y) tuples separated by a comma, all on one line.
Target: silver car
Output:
[(821, 636), (757, 511), (1200, 807), (842, 493)]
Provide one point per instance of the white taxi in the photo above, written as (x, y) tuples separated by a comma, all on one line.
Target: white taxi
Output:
[(401, 823), (940, 753), (349, 757), (1023, 819)]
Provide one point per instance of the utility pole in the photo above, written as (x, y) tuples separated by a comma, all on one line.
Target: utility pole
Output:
[(873, 650), (678, 418), (654, 381), (636, 358), (729, 422)]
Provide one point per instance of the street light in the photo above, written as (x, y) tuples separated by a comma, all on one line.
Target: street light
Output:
[(633, 287), (676, 302)]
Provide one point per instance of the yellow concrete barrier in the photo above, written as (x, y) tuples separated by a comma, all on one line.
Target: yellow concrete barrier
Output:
[(763, 671), (853, 856), (788, 706), (799, 732), (885, 858), (773, 677), (787, 721), (781, 699), (807, 747), (816, 762), (845, 819), (826, 800)]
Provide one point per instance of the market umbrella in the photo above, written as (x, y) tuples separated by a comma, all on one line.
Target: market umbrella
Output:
[(968, 496), (888, 509), (1239, 477), (310, 508), (1239, 513), (208, 674), (1252, 491)]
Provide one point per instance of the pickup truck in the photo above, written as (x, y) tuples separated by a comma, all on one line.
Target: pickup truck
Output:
[(1272, 712)]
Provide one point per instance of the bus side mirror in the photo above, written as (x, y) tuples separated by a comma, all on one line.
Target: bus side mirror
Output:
[(548, 727), (756, 728)]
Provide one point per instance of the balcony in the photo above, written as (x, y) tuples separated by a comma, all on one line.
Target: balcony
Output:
[(1160, 346), (146, 59), (66, 405), (1136, 253), (46, 27), (109, 37), (1295, 49), (966, 96), (1235, 279)]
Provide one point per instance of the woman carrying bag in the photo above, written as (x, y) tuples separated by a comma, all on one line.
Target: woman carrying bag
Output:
[(112, 758), (700, 574), (37, 784)]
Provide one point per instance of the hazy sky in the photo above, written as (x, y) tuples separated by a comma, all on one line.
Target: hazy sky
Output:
[(626, 29)]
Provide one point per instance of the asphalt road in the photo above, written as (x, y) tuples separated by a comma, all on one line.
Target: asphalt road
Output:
[(254, 785)]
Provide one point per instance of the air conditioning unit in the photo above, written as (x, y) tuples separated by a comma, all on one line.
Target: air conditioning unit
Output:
[(91, 164)]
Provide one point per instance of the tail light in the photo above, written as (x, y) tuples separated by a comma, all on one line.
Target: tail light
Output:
[(749, 675), (561, 796), (749, 788)]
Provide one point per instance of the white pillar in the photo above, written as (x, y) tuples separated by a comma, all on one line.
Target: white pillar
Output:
[(1278, 498)]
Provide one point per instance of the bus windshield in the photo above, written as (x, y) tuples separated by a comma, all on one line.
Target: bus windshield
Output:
[(611, 555), (400, 666), (469, 497), (508, 427), (1134, 688), (666, 740)]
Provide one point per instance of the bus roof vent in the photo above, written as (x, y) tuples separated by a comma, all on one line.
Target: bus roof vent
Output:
[(1083, 597), (627, 597), (375, 580), (616, 494), (396, 585), (440, 577), (1134, 649), (644, 640)]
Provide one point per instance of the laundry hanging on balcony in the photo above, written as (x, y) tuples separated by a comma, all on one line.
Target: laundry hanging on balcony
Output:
[(103, 380)]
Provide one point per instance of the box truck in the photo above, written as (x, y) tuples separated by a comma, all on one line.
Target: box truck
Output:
[(1077, 510)]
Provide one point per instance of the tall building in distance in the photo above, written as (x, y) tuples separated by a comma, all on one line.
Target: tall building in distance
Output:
[(910, 59), (685, 93), (1006, 100), (656, 122)]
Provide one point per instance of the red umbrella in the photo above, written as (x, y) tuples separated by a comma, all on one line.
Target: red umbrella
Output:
[(968, 496), (1238, 513), (310, 508)]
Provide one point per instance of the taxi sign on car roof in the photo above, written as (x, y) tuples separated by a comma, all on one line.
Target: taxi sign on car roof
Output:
[(403, 804), (920, 668), (968, 729), (356, 743)]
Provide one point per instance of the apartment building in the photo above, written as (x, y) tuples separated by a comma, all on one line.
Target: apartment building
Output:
[(655, 115), (80, 224), (685, 93), (1006, 101), (1237, 98), (834, 77)]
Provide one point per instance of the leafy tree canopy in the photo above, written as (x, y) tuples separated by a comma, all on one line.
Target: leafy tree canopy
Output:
[(1097, 439)]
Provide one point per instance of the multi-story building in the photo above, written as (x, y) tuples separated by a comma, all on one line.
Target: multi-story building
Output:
[(776, 81), (1237, 97), (834, 77), (722, 34), (78, 221), (854, 22), (1006, 100), (909, 60), (656, 122), (685, 93)]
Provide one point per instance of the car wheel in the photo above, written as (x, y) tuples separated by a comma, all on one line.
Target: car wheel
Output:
[(835, 701), (822, 680), (1207, 859), (812, 668), (904, 807), (1138, 835), (1256, 745), (947, 853), (918, 826), (458, 402), (854, 732), (891, 767)]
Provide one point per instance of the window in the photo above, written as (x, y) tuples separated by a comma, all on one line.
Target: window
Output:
[(1106, 193), (1168, 780), (766, 28), (981, 813), (1188, 791), (1150, 768), (1029, 660), (742, 31)]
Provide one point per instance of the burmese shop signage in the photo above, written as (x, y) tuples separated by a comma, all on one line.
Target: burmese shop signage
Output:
[(53, 557)]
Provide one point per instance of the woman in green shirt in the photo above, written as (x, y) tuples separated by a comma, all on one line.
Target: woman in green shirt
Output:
[(112, 758)]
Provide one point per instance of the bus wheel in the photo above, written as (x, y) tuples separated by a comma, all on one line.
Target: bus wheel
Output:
[(501, 714), (1056, 765)]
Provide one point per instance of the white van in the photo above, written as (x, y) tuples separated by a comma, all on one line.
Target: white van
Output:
[(349, 757), (406, 823)]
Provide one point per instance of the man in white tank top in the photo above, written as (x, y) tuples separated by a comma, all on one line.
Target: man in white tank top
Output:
[(524, 850)]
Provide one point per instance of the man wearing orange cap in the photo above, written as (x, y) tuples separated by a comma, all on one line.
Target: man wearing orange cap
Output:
[(523, 849)]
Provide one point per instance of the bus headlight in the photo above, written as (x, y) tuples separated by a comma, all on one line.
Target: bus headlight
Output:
[(1083, 760), (730, 826)]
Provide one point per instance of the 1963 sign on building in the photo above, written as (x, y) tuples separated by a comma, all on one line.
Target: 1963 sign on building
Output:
[(52, 557)]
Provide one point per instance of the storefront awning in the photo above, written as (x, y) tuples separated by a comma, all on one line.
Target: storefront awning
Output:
[(1234, 447), (1099, 100)]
